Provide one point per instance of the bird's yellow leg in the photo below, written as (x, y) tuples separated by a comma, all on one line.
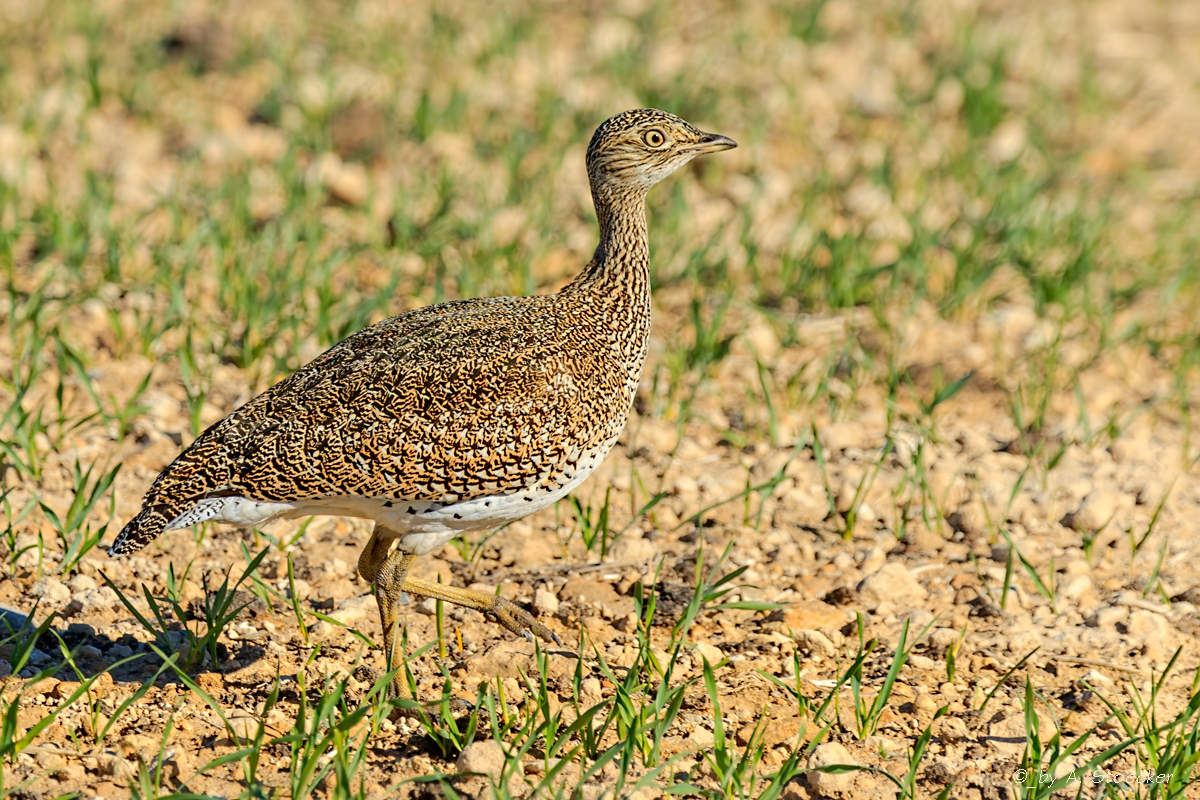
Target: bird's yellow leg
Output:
[(373, 555), (389, 580), (506, 612)]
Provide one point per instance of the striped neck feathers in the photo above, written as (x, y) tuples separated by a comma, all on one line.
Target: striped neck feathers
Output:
[(622, 258)]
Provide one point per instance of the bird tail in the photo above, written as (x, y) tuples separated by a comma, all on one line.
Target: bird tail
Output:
[(141, 530)]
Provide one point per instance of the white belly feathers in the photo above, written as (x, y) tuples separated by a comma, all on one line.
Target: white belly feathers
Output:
[(420, 525)]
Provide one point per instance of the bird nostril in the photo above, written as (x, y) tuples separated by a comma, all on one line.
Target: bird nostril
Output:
[(713, 143)]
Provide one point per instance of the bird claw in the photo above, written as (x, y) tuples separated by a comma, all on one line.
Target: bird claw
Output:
[(458, 708), (520, 621)]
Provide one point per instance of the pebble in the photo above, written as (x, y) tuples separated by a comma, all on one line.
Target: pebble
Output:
[(952, 729), (810, 615), (892, 582), (1144, 624), (356, 609), (1073, 586), (943, 638), (1094, 679), (485, 757), (1096, 510), (50, 589), (815, 643), (708, 652), (82, 583), (826, 784), (1107, 618), (633, 547), (545, 601), (88, 601), (841, 436)]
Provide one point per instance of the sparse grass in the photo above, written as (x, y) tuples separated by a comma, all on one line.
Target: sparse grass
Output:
[(931, 231)]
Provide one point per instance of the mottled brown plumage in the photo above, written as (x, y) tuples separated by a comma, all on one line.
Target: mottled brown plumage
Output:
[(455, 417)]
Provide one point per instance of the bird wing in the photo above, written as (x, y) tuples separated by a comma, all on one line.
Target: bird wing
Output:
[(447, 403)]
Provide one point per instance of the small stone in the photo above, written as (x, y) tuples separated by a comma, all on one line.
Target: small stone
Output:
[(590, 691), (1106, 619), (884, 746), (82, 583), (1007, 141), (1094, 680), (51, 762), (71, 772), (485, 757), (1096, 510), (892, 582), (1074, 586), (813, 615), (545, 601), (815, 643), (345, 182), (633, 546), (942, 639), (709, 653), (952, 730), (842, 436), (355, 610), (925, 705), (50, 590), (827, 784), (427, 607), (1023, 642), (1007, 735), (1144, 624), (585, 591), (92, 600), (774, 732)]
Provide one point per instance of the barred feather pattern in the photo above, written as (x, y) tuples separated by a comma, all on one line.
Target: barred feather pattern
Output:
[(445, 405)]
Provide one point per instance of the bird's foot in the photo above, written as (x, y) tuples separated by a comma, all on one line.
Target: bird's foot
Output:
[(519, 621), (458, 707)]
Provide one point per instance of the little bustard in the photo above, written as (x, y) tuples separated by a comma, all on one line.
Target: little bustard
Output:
[(456, 417)]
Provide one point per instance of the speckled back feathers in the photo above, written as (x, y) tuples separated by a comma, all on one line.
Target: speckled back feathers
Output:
[(457, 401)]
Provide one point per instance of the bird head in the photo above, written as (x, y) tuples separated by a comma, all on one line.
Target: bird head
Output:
[(636, 149)]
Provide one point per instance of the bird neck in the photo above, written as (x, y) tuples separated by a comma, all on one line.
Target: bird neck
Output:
[(621, 263)]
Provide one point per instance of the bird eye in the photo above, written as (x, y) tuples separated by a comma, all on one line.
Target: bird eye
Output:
[(654, 138)]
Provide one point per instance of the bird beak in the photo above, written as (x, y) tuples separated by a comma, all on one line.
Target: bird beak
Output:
[(712, 143)]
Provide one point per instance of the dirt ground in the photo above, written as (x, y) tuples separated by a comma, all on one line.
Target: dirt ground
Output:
[(1061, 556)]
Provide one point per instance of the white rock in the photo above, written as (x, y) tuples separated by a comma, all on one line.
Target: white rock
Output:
[(633, 547), (82, 583), (1094, 679), (101, 599), (545, 601), (1097, 509), (1074, 586), (1107, 618), (840, 436), (943, 638), (710, 653), (816, 643), (356, 609), (485, 757), (1144, 624), (892, 582), (827, 784), (50, 590)]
